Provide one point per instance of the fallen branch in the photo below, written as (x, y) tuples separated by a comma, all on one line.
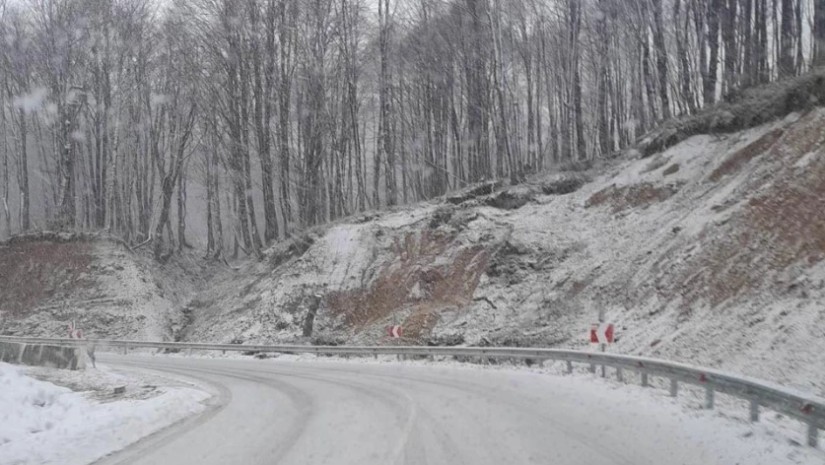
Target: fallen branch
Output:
[(142, 244)]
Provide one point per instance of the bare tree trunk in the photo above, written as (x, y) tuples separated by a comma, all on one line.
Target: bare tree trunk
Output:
[(5, 186), (67, 191), (647, 76), (603, 80), (210, 202), (384, 79), (538, 109), (575, 27), (262, 76), (798, 36), (788, 40), (246, 173), (216, 225), (478, 99), (819, 33), (661, 57), (182, 211), (762, 68), (167, 188), (498, 76), (748, 68), (709, 88), (23, 174), (682, 54), (729, 36)]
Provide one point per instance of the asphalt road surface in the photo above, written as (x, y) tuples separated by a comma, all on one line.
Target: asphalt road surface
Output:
[(326, 412)]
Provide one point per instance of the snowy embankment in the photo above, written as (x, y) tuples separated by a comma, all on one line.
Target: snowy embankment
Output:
[(41, 422)]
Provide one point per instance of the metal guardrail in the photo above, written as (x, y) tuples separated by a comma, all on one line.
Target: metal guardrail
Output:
[(806, 408)]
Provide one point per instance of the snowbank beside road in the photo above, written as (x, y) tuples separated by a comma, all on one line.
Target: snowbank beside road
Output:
[(41, 422)]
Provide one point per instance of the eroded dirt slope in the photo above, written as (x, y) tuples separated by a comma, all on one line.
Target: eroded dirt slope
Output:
[(50, 280)]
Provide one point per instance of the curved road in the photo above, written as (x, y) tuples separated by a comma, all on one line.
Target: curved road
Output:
[(325, 412)]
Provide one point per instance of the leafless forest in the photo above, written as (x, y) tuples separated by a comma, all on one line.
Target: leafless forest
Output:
[(290, 113)]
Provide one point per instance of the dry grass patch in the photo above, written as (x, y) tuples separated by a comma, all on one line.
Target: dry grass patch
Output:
[(634, 196)]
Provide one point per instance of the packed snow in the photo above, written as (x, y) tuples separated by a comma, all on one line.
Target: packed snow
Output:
[(302, 409)]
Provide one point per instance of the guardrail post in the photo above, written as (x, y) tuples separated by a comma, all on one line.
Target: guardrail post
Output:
[(569, 367), (619, 375), (644, 380), (709, 396), (813, 434), (592, 368), (754, 411), (125, 350), (674, 388)]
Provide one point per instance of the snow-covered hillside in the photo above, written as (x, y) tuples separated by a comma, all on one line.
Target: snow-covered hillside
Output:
[(50, 280), (710, 252)]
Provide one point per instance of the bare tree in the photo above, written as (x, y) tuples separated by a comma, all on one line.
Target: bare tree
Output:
[(819, 32), (314, 109)]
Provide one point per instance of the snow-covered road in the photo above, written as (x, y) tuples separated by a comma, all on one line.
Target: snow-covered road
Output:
[(328, 412)]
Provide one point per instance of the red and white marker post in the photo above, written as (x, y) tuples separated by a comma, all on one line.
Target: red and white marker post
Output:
[(602, 333), (74, 332), (395, 331)]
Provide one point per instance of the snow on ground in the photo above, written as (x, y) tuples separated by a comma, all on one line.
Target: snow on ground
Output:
[(41, 422), (774, 437)]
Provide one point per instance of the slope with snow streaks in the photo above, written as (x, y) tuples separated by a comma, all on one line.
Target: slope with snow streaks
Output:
[(710, 252), (347, 281)]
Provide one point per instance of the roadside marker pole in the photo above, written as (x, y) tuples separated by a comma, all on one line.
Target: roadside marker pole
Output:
[(754, 411), (602, 346)]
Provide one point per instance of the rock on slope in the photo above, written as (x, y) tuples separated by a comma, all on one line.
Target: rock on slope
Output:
[(710, 252), (48, 280)]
